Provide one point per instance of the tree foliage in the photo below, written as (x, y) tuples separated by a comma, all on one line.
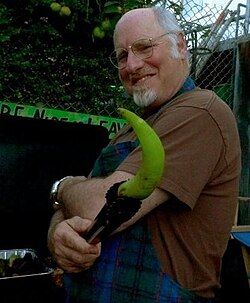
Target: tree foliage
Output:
[(56, 53)]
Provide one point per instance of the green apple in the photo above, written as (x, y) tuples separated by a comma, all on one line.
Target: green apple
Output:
[(98, 32), (106, 24), (65, 11), (56, 7)]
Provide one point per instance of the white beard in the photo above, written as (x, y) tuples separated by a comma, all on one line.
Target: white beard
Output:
[(144, 97)]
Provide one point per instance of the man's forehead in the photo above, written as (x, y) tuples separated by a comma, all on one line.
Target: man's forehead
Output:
[(139, 16), (136, 24)]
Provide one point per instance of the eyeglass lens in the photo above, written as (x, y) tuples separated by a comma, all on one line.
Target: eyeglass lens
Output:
[(142, 49)]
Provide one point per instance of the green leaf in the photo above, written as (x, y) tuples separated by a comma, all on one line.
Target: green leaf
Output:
[(4, 38), (112, 10), (111, 3)]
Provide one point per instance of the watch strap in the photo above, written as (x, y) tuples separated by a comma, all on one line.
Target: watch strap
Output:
[(55, 189)]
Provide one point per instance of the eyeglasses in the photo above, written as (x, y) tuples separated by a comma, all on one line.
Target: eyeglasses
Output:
[(142, 49)]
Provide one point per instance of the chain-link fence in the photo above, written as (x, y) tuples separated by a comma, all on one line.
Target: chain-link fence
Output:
[(212, 33)]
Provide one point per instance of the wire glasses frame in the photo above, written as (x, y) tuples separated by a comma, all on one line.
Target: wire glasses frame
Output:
[(142, 49)]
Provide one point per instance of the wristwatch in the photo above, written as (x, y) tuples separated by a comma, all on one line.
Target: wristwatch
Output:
[(54, 191)]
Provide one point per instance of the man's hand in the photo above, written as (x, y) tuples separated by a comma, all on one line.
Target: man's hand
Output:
[(69, 249)]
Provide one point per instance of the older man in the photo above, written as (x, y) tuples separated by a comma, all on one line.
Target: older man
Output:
[(171, 250)]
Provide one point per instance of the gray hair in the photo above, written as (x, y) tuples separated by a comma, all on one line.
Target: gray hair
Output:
[(166, 19), (168, 22)]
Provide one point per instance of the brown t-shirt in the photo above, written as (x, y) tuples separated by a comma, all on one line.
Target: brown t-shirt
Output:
[(202, 146)]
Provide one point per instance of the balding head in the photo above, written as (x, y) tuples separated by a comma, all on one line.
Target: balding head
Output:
[(151, 52)]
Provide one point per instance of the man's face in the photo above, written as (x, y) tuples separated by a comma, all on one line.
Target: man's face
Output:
[(155, 79)]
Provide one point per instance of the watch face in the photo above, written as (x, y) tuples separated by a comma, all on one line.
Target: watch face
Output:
[(54, 190)]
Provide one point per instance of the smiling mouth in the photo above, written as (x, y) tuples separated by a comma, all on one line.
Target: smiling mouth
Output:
[(141, 80)]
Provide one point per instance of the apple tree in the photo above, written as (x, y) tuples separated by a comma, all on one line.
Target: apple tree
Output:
[(55, 53)]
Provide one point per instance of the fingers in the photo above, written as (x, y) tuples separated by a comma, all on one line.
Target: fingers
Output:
[(71, 252)]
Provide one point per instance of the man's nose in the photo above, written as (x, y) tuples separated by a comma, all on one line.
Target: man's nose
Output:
[(133, 62)]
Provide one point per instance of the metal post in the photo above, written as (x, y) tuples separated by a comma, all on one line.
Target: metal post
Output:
[(247, 17)]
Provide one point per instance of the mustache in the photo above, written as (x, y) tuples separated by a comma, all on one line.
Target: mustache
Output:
[(140, 74)]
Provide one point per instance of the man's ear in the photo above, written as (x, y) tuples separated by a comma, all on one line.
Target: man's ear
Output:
[(182, 45)]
